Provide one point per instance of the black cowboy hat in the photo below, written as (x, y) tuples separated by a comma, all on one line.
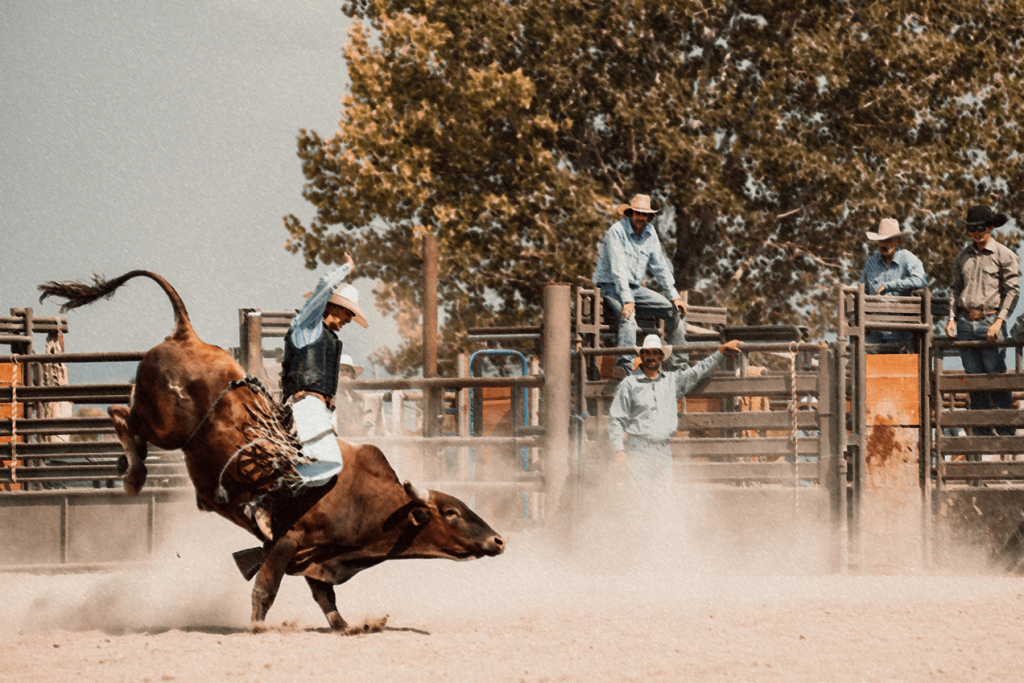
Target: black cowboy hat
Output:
[(982, 215)]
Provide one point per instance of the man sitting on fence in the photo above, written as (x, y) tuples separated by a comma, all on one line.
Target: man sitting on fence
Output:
[(891, 271), (629, 248)]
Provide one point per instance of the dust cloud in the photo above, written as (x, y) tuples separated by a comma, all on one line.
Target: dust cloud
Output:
[(713, 546)]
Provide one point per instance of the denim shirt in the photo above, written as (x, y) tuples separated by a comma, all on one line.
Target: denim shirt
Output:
[(647, 407), (623, 259), (901, 276)]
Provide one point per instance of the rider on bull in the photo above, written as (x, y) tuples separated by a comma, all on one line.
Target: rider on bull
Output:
[(309, 382)]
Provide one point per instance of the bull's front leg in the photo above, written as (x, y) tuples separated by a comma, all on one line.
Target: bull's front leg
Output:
[(131, 466), (268, 581), (323, 593)]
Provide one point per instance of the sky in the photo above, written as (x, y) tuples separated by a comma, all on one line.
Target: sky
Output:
[(137, 134), (162, 136)]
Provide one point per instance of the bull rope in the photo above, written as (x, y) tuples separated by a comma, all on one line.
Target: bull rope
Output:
[(794, 433), (248, 380), (265, 429)]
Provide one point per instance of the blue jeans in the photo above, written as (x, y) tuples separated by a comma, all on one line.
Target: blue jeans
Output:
[(990, 361), (888, 337), (647, 303)]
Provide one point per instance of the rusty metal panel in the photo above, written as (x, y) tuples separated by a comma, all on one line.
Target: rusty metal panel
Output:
[(778, 472), (766, 447), (959, 383), (755, 419), (973, 522)]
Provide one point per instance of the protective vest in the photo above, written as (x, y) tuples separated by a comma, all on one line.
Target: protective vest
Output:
[(311, 368)]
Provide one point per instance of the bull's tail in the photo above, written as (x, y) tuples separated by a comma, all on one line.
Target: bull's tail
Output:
[(249, 561), (79, 294)]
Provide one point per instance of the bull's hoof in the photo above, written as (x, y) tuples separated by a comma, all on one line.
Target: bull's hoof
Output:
[(134, 480), (371, 626), (258, 627)]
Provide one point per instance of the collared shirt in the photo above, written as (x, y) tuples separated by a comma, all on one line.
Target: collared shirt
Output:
[(901, 276), (987, 279), (646, 408), (623, 259), (308, 325)]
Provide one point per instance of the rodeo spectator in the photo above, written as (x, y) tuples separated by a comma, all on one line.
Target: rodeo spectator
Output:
[(891, 271), (643, 417), (309, 382), (985, 289), (629, 248)]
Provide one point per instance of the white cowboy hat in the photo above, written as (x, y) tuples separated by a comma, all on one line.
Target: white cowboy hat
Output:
[(348, 297), (346, 361), (653, 341), (887, 228), (641, 203)]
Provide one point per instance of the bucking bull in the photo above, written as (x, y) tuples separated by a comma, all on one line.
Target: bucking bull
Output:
[(193, 396)]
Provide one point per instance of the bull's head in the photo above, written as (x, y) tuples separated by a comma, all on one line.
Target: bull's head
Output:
[(449, 529)]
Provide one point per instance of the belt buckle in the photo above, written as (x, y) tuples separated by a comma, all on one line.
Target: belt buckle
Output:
[(974, 314)]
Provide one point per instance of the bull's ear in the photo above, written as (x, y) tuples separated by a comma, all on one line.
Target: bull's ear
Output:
[(416, 493), (419, 516)]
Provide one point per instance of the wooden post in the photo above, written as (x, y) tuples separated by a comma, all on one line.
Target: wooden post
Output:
[(556, 357)]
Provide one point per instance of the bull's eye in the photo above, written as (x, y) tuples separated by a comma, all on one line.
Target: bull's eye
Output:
[(451, 513)]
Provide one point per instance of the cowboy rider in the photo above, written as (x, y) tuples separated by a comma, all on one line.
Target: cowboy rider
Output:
[(309, 382)]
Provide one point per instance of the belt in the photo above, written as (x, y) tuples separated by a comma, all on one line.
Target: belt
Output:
[(976, 313)]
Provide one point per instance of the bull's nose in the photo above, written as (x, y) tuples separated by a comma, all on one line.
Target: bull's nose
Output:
[(498, 543)]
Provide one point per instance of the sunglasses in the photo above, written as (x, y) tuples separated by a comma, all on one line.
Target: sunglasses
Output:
[(976, 228)]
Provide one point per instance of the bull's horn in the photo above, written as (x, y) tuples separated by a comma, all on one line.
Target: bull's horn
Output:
[(422, 495)]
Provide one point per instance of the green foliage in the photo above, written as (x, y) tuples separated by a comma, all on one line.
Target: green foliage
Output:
[(775, 133)]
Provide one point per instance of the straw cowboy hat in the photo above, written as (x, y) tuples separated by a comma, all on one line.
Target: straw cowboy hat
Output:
[(653, 341), (982, 215), (641, 203), (887, 229), (346, 362), (347, 297)]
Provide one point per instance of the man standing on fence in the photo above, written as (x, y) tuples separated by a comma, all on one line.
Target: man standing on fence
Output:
[(891, 271), (309, 382), (643, 417), (985, 289), (631, 247)]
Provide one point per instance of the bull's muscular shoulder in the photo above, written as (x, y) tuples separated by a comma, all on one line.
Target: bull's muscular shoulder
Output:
[(368, 460)]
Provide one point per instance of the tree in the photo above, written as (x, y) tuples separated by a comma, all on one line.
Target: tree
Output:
[(775, 133)]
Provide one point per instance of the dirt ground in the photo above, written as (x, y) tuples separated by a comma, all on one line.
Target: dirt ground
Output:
[(543, 611)]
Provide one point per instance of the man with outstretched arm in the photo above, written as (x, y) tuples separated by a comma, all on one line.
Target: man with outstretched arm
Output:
[(643, 415)]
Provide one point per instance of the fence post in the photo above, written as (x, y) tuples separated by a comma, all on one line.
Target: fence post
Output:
[(250, 342), (463, 469), (556, 349)]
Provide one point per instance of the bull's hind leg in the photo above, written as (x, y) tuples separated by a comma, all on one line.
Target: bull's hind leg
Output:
[(268, 581), (323, 593), (131, 465)]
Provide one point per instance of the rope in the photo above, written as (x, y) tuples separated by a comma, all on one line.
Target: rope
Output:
[(248, 380), (221, 494), (794, 433)]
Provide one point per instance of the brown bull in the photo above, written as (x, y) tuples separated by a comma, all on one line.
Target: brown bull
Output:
[(366, 518), (190, 395)]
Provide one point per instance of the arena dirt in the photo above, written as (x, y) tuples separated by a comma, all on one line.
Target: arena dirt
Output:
[(616, 604)]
